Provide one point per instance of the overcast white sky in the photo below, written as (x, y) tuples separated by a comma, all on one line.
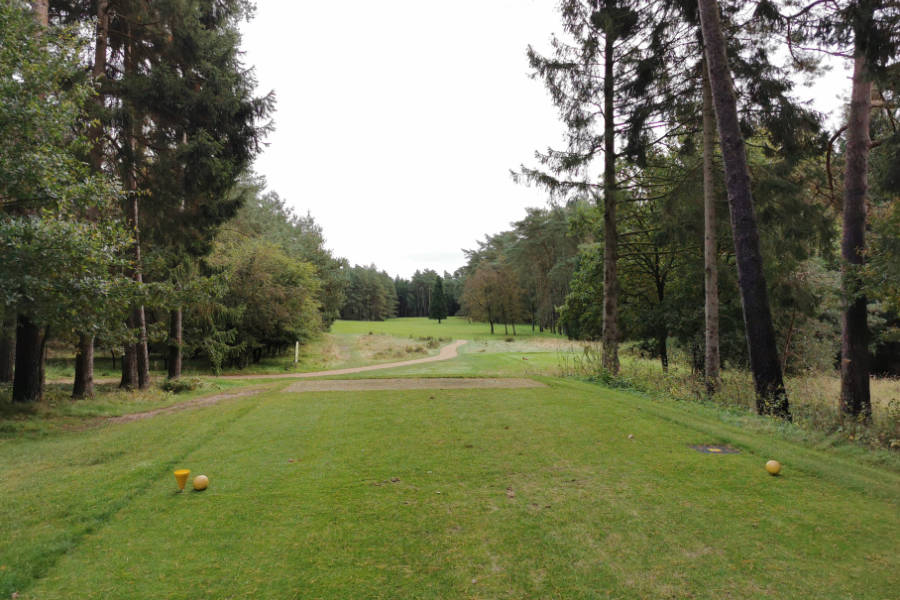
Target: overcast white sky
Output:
[(398, 121)]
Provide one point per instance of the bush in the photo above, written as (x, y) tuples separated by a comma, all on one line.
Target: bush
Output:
[(182, 384)]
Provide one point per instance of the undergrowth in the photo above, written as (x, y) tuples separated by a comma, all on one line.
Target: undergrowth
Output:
[(813, 397)]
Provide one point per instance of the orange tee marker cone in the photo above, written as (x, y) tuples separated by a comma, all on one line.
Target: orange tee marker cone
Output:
[(181, 476)]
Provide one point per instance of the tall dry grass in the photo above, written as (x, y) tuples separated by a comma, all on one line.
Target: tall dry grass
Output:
[(813, 395)]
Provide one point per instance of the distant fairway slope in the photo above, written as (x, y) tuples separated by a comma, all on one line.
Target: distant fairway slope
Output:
[(457, 328), (566, 491)]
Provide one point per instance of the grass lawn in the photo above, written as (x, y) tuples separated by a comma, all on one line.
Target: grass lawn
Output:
[(536, 493), (456, 328)]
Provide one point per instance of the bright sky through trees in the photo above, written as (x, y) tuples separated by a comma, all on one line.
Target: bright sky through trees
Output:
[(397, 122)]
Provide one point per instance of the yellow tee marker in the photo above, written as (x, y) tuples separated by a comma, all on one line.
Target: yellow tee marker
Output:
[(181, 476)]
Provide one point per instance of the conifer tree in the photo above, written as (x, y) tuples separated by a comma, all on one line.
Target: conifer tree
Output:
[(767, 377), (613, 56), (180, 125), (54, 266), (438, 309), (868, 33)]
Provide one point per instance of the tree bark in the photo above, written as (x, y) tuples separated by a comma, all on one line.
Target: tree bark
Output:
[(129, 379), (140, 322), (662, 337), (710, 247), (28, 383), (143, 350), (84, 368), (129, 368), (7, 349), (83, 386), (98, 73), (175, 340), (610, 332), (41, 10), (855, 399), (771, 397)]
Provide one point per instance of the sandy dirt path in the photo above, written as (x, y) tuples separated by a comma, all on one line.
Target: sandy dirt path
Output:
[(349, 385), (447, 352)]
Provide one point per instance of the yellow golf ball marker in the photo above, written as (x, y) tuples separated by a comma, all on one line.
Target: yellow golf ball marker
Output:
[(181, 476)]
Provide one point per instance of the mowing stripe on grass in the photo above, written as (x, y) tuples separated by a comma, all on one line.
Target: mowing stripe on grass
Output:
[(73, 467), (534, 493), (860, 477)]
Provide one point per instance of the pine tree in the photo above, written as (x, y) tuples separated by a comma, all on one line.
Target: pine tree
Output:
[(770, 392), (616, 53), (183, 123), (438, 309), (866, 32)]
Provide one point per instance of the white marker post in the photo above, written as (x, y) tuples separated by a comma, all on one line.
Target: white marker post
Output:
[(296, 352)]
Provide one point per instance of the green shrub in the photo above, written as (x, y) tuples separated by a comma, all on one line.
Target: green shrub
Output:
[(182, 384)]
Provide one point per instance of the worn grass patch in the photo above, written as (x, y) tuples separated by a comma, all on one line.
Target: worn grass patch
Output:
[(442, 494), (59, 412)]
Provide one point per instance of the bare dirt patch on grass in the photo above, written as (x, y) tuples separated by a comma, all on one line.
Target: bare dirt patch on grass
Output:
[(434, 383), (196, 403)]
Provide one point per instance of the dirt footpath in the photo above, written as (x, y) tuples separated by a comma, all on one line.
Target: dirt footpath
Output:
[(447, 352), (198, 402)]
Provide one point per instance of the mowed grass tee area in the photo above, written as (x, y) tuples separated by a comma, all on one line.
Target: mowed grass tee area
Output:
[(570, 490)]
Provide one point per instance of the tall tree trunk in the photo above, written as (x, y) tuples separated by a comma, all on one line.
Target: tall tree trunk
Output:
[(710, 247), (28, 378), (140, 321), (83, 386), (138, 352), (771, 397), (662, 337), (28, 383), (143, 350), (98, 73), (129, 379), (41, 10), (84, 368), (174, 362), (7, 348), (855, 399), (610, 333)]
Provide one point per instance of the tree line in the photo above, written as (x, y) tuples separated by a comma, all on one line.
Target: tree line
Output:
[(675, 112), (372, 295), (699, 201), (131, 221)]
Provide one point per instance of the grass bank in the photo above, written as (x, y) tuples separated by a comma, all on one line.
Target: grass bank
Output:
[(813, 397)]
